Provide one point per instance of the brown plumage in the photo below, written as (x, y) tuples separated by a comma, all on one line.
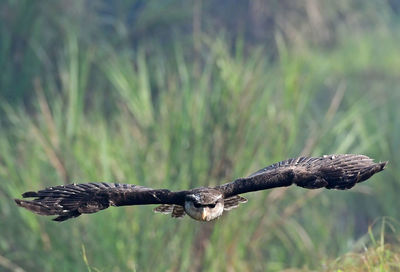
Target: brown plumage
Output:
[(205, 203)]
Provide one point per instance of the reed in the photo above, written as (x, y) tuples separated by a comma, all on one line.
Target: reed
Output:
[(103, 110)]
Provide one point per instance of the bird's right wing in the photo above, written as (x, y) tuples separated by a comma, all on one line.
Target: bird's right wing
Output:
[(332, 172), (68, 201)]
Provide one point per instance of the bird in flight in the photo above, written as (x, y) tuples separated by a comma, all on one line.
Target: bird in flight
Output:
[(205, 203)]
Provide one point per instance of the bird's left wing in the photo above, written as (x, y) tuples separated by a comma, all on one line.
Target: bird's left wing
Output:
[(329, 171), (72, 200)]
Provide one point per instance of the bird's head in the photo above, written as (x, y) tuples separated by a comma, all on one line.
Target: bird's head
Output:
[(204, 204)]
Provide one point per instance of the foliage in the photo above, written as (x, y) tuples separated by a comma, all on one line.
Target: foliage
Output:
[(80, 106), (381, 255)]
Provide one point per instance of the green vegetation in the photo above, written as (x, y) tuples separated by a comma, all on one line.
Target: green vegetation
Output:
[(379, 256), (88, 96)]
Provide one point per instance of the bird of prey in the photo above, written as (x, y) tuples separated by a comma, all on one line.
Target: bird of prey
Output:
[(204, 203)]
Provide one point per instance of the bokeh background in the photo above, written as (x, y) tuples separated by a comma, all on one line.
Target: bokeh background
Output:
[(177, 94)]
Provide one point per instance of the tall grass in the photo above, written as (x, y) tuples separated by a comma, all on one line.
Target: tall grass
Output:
[(166, 121), (382, 253)]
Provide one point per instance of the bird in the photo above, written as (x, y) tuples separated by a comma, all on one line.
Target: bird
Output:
[(341, 172)]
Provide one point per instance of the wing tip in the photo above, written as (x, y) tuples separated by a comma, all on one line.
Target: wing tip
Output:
[(18, 202), (30, 194), (33, 206), (383, 165), (24, 203)]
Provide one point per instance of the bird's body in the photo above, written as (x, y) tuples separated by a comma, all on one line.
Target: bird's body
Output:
[(205, 203)]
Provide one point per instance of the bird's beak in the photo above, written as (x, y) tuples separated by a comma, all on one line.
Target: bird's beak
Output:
[(204, 214)]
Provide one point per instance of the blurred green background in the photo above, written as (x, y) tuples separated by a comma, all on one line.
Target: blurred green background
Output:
[(177, 94)]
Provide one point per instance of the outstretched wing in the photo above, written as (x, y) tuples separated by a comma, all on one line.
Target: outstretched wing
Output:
[(68, 201), (330, 171)]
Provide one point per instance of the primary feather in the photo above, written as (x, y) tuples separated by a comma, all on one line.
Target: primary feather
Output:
[(205, 203), (72, 200), (329, 171)]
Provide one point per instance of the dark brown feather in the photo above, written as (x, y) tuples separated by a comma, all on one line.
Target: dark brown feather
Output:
[(164, 209), (68, 201), (178, 211), (332, 172), (233, 202)]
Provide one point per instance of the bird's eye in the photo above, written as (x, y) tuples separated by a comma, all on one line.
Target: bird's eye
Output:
[(197, 205), (211, 205)]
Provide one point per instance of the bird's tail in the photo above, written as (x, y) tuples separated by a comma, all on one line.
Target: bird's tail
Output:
[(69, 201)]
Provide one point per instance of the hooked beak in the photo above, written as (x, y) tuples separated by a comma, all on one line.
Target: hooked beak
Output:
[(204, 214)]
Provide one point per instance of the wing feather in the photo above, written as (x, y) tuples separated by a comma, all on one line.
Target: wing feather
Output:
[(176, 211), (329, 171), (233, 202), (72, 200)]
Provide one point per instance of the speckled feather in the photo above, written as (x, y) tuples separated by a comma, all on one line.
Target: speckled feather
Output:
[(332, 172), (329, 171), (72, 200)]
